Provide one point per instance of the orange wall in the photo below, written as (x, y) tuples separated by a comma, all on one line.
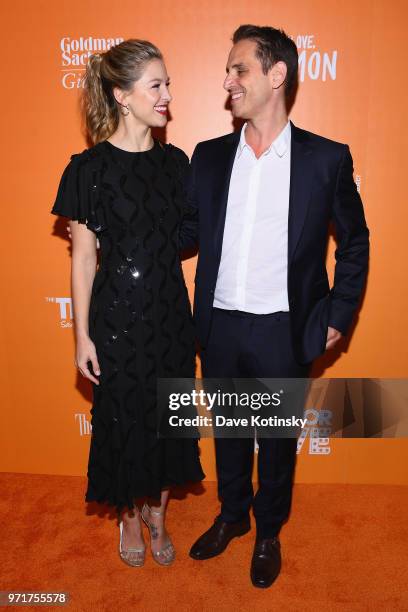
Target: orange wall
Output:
[(354, 97)]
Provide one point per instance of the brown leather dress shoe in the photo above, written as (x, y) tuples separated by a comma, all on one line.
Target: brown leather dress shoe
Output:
[(214, 541), (266, 562)]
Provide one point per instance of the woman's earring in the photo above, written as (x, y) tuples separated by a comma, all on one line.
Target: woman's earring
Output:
[(122, 106)]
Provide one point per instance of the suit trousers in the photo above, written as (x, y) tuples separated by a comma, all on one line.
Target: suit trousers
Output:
[(245, 345)]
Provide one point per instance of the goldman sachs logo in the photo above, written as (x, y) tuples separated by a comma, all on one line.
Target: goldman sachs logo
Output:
[(75, 54)]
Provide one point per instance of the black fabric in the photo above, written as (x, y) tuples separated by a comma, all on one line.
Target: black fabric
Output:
[(322, 190), (244, 345), (139, 318)]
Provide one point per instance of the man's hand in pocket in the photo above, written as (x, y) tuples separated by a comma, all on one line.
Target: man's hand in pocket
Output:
[(333, 336)]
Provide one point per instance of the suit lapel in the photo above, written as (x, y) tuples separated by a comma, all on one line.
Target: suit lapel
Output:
[(222, 180), (301, 180)]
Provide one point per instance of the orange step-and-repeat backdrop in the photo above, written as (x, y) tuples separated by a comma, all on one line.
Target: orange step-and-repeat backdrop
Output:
[(352, 65)]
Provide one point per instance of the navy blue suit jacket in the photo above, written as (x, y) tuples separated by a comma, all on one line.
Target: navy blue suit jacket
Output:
[(322, 189)]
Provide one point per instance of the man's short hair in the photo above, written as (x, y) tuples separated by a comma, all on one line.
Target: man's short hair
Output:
[(273, 46)]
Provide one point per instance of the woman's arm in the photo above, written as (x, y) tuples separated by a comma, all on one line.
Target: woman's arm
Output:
[(82, 276)]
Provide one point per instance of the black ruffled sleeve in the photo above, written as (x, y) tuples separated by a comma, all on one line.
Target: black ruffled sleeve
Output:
[(79, 195)]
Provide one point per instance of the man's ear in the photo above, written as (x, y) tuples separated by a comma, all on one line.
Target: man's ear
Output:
[(278, 74)]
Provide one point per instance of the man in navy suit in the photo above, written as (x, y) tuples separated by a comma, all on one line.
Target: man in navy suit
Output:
[(261, 203)]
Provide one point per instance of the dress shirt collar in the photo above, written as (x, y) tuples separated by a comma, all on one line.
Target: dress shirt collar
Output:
[(280, 144)]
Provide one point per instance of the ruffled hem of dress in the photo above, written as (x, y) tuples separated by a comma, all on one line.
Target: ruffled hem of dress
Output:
[(129, 504)]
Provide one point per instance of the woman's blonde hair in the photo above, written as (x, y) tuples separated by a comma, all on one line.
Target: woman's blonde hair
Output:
[(119, 67)]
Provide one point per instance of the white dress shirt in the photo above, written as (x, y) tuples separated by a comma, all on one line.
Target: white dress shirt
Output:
[(253, 269)]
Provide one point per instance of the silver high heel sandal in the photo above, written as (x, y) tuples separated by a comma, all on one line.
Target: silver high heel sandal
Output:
[(158, 556), (132, 556)]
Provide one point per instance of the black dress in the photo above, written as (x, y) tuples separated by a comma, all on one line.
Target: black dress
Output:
[(139, 318)]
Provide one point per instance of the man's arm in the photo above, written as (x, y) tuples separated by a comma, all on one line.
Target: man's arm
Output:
[(352, 250), (188, 234)]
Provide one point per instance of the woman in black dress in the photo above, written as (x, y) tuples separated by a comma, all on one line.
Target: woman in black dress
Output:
[(132, 313)]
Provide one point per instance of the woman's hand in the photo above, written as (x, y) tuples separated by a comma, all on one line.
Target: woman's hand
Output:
[(85, 352)]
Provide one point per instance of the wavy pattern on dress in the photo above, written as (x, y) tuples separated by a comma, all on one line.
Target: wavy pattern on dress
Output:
[(141, 323), (183, 308), (162, 249)]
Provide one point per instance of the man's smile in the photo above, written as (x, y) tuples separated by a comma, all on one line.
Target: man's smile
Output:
[(236, 95)]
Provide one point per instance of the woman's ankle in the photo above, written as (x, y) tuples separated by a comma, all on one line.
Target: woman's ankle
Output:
[(131, 517)]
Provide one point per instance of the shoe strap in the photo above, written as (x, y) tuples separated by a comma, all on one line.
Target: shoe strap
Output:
[(137, 550), (133, 549), (154, 512), (167, 547)]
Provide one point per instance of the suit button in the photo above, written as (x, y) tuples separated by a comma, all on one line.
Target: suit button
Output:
[(212, 291)]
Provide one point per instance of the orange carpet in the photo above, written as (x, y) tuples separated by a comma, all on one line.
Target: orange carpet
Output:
[(344, 548)]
